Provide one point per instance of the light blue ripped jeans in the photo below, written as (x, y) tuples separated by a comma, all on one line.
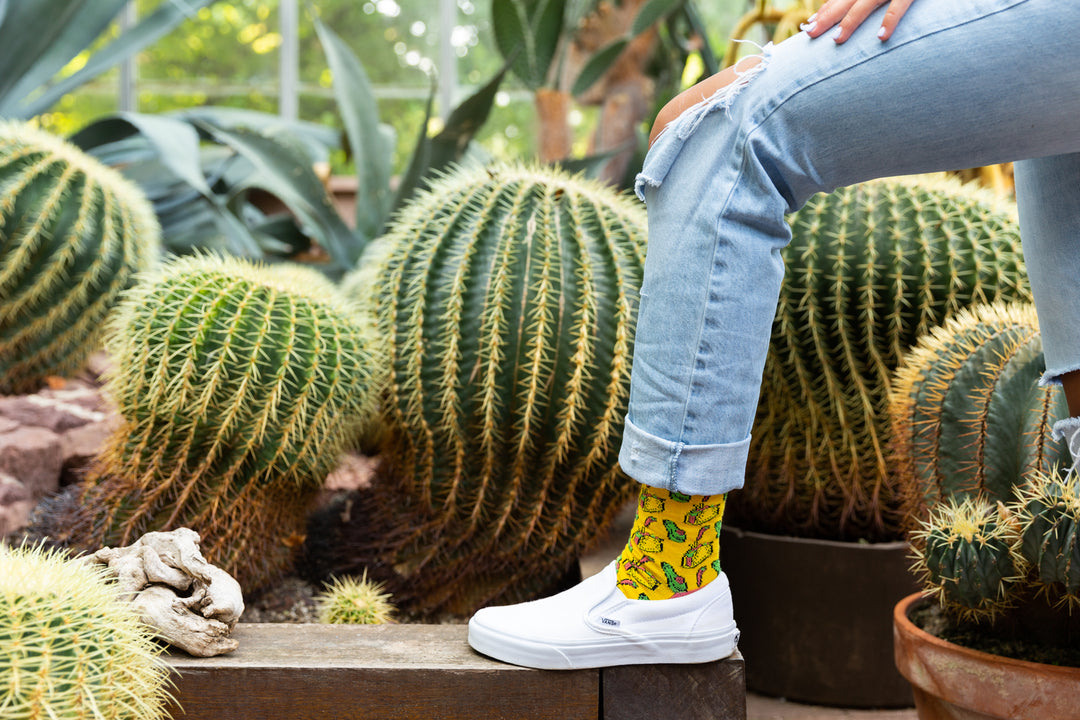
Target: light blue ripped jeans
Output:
[(962, 83)]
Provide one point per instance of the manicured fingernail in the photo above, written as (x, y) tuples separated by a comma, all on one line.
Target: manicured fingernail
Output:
[(810, 20), (809, 27), (837, 33), (881, 32)]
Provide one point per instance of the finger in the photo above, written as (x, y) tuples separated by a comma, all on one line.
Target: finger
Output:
[(855, 17), (897, 9), (827, 16)]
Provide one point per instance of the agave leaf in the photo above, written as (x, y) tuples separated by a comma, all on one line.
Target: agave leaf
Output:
[(60, 29), (433, 155), (165, 17), (527, 34), (359, 113), (598, 64), (175, 142), (653, 12), (284, 171)]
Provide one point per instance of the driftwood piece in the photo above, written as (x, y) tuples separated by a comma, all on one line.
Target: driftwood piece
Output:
[(190, 603)]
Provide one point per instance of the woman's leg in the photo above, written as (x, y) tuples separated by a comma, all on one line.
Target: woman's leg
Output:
[(1048, 196), (959, 84), (954, 87)]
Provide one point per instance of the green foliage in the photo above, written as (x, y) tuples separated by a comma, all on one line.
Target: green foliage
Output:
[(372, 147), (354, 601), (238, 386), (210, 171), (73, 233), (40, 37), (972, 441), (71, 649), (870, 268), (506, 298)]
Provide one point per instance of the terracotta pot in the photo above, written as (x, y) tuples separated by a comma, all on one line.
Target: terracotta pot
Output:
[(954, 683), (815, 617)]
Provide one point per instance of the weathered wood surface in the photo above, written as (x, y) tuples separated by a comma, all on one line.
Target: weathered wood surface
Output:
[(710, 691), (404, 672), (383, 672)]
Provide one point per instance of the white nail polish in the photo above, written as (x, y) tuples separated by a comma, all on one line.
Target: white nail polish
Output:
[(881, 32), (810, 20), (809, 27), (837, 33)]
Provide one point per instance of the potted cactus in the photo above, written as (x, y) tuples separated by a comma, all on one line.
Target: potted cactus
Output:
[(870, 268), (998, 552)]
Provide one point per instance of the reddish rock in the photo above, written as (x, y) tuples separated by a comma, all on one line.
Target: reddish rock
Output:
[(7, 425), (32, 456), (79, 446), (15, 505), (55, 410), (353, 472)]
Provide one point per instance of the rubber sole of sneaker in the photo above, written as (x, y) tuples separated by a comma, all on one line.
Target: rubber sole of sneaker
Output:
[(621, 650)]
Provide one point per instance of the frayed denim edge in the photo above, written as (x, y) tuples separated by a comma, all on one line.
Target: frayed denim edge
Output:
[(1063, 427), (687, 122), (1053, 377)]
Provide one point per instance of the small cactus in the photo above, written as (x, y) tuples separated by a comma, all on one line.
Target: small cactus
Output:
[(69, 648), (73, 234), (507, 299), (964, 554), (354, 601), (870, 269), (1049, 513), (238, 386)]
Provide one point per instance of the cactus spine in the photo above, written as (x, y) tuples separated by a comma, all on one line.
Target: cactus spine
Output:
[(507, 301), (73, 233), (972, 435), (238, 386), (870, 268), (71, 648), (354, 601)]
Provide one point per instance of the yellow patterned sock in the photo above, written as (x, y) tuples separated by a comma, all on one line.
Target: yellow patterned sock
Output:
[(674, 545)]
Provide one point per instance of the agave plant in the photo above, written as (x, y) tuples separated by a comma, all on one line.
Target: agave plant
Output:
[(505, 298), (973, 443), (870, 268), (40, 37)]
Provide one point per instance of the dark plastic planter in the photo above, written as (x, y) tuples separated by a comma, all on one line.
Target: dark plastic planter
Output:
[(952, 682), (816, 617)]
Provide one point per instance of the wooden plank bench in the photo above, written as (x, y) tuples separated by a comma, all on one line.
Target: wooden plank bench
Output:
[(398, 672)]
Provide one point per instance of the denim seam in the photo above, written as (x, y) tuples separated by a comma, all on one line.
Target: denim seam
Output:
[(674, 470)]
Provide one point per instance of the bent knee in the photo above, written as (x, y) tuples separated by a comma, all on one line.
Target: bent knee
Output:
[(700, 92)]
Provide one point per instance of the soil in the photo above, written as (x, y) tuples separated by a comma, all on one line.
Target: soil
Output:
[(1006, 640)]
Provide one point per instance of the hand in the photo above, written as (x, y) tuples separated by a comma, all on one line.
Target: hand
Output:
[(846, 15)]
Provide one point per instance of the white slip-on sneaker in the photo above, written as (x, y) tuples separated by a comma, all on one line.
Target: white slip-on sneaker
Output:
[(594, 625)]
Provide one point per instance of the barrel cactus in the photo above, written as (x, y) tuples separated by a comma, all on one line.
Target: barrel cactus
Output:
[(972, 443), (238, 386), (507, 300), (969, 415), (73, 233), (870, 268), (71, 648)]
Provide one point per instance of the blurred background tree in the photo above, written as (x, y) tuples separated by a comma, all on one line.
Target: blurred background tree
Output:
[(228, 54)]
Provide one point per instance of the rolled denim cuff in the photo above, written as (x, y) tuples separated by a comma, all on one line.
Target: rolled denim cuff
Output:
[(678, 467)]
